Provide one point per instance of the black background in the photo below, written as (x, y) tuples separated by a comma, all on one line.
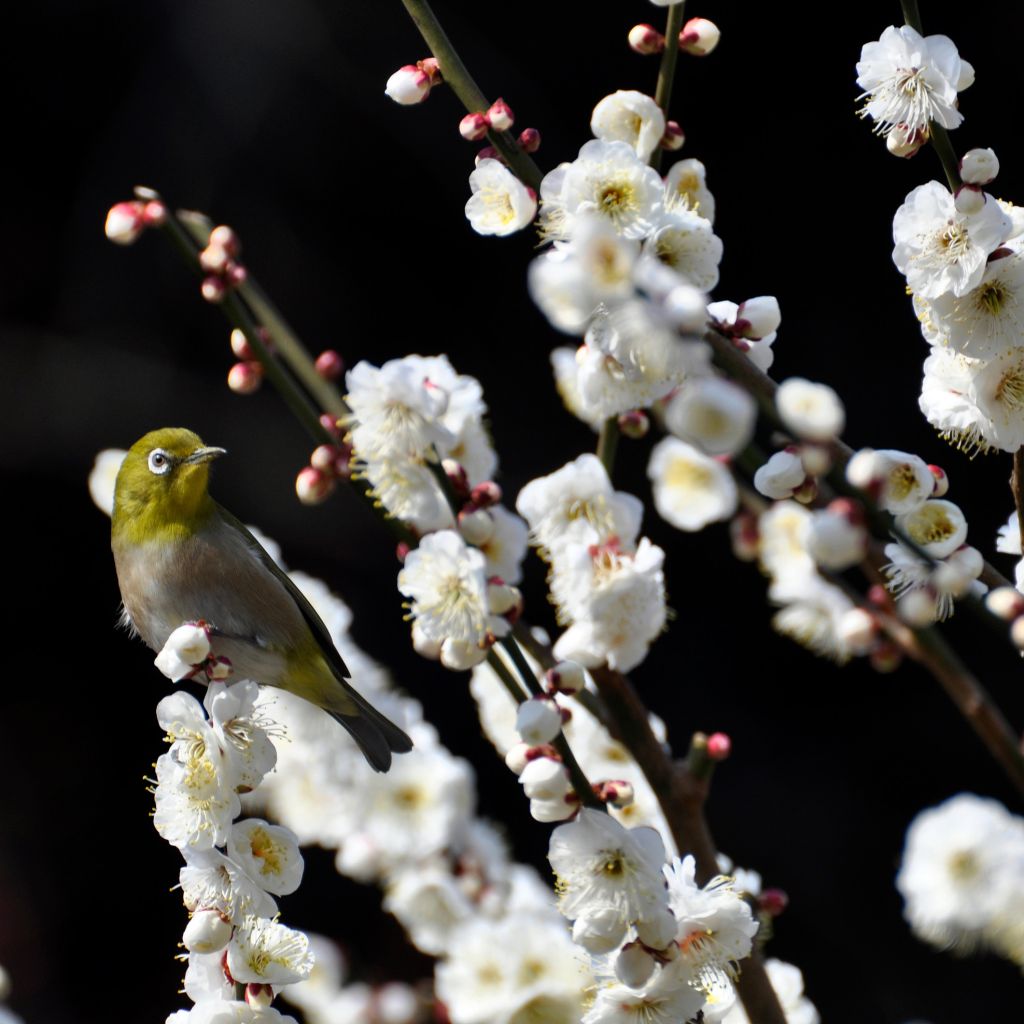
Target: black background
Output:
[(272, 117)]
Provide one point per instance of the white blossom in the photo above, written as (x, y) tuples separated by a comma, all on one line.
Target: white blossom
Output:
[(269, 953), (501, 204), (713, 414), (631, 117), (686, 188), (937, 526), (814, 412), (685, 241), (690, 489), (898, 481), (267, 853), (780, 476)]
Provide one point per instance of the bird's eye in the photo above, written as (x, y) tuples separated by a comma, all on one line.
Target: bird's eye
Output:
[(159, 461)]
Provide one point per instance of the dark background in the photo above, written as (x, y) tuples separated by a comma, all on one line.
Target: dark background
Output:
[(272, 117)]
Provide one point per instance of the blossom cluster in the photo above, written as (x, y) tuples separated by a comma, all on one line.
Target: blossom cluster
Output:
[(962, 877), (239, 954)]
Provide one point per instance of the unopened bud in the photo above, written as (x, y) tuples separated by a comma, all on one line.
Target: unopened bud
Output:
[(1005, 602), (395, 1003), (503, 598), (529, 140), (235, 274), (500, 115), (330, 424), (857, 629), (616, 792), (758, 317), (476, 526), (886, 658), (473, 127), (548, 811), (979, 167), (545, 779), (487, 153), (329, 364), (456, 477), (325, 457), (486, 494), (516, 759), (240, 345), (699, 37), (213, 259), (600, 931), (879, 597), (634, 424), (408, 85), (566, 677), (969, 199), (223, 237), (719, 746), (646, 39), (1017, 632), (206, 932), (817, 459), (245, 378), (154, 214), (538, 721), (903, 142), (313, 485), (780, 476), (941, 480), (258, 996), (673, 138), (213, 289), (634, 965), (657, 928), (746, 540), (124, 222), (772, 902), (918, 608)]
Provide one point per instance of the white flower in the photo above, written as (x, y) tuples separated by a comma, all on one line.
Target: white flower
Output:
[(961, 870), (812, 411), (183, 652), (780, 476), (898, 480), (716, 926), (979, 167), (713, 414), (755, 338), (686, 188), (938, 248), (429, 903), (609, 179), (102, 477), (566, 369), (909, 80), (937, 526), (447, 584), (685, 241), (907, 572), (409, 492), (600, 864), (241, 731), (269, 854), (539, 721), (946, 401), (269, 953), (782, 546), (576, 504), (506, 547), (989, 319), (1008, 540), (616, 603), (211, 881), (690, 489), (631, 117), (668, 999), (834, 541), (814, 613), (501, 204)]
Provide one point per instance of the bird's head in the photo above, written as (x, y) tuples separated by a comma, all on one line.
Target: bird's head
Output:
[(161, 488)]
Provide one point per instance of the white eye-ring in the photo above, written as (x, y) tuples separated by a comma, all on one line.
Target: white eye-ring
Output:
[(159, 462)]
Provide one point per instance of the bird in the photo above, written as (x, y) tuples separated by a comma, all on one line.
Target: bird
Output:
[(182, 557)]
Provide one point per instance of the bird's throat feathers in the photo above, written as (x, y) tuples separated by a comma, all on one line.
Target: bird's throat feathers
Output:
[(151, 509)]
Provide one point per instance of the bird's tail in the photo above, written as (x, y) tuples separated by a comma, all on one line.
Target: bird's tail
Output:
[(377, 736)]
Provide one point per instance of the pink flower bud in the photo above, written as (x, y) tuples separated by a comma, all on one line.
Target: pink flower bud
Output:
[(529, 140), (313, 485), (329, 364), (213, 289), (500, 115), (673, 138), (903, 142), (634, 424), (235, 274), (1017, 632), (154, 214), (240, 345), (409, 85), (330, 424), (1005, 602), (979, 167), (456, 477), (324, 457), (699, 37), (941, 480), (879, 597), (743, 532), (772, 902), (244, 378), (473, 127), (258, 996), (124, 222), (223, 237), (616, 792), (719, 746), (214, 259), (485, 494), (566, 677), (646, 39)]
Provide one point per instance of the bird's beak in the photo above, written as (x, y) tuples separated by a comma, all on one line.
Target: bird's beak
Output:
[(204, 455)]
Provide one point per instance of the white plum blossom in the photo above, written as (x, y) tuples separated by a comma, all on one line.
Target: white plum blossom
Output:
[(962, 872), (939, 249), (609, 179), (898, 481), (937, 526), (952, 578), (781, 475), (909, 81), (686, 189), (268, 953), (753, 337), (835, 541), (631, 117), (501, 204), (211, 881), (690, 489), (814, 412), (668, 999), (782, 540), (446, 583), (815, 613), (685, 241), (183, 652), (714, 414), (267, 853), (101, 478)]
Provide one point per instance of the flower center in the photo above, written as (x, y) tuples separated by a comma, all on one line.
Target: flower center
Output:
[(963, 866), (991, 297), (687, 476), (616, 199), (1010, 389), (930, 526), (902, 481)]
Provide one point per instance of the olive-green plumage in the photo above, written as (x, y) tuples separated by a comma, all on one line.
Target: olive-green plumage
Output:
[(180, 557)]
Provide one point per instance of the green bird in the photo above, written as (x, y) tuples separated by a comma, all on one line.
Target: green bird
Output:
[(181, 557)]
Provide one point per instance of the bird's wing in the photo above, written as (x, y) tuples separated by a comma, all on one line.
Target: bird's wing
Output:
[(315, 623)]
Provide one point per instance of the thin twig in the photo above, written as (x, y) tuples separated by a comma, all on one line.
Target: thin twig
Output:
[(607, 442), (667, 68)]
